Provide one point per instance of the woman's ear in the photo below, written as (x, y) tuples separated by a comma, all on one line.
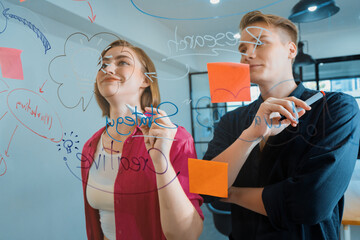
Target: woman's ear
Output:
[(292, 50), (146, 81)]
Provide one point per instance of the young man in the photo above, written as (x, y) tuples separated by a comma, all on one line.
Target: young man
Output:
[(286, 178)]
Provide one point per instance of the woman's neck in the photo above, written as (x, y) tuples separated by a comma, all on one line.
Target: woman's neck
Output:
[(121, 127)]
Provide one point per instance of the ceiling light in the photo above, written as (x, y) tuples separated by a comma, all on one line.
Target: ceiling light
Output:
[(214, 1), (237, 35), (312, 8), (304, 10)]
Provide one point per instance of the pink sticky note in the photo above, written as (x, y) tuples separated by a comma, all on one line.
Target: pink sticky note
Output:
[(10, 63)]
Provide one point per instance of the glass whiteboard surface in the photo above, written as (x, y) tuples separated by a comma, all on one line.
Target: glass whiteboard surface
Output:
[(49, 60)]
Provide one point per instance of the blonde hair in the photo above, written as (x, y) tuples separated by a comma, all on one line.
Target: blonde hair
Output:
[(271, 20), (151, 94)]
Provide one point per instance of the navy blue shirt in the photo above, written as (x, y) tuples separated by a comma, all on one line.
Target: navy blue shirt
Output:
[(304, 170)]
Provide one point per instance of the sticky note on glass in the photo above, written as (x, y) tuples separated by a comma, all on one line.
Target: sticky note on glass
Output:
[(229, 82), (10, 63), (208, 177)]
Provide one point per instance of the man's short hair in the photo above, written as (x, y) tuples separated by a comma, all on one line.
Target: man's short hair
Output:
[(272, 20)]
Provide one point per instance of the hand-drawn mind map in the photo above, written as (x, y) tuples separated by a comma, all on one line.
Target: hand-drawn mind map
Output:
[(29, 108)]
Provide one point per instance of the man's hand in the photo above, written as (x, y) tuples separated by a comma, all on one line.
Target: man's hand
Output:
[(267, 119)]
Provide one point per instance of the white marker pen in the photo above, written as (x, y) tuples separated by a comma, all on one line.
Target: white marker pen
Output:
[(309, 101), (138, 114)]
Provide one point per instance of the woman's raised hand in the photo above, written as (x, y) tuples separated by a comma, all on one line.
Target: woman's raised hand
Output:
[(161, 134)]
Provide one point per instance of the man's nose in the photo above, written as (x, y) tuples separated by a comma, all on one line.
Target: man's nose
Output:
[(249, 54)]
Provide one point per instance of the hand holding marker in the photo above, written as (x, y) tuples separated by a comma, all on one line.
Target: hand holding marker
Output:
[(139, 115), (309, 101)]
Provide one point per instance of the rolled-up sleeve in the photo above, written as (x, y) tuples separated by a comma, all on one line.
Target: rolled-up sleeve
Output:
[(324, 172), (181, 151)]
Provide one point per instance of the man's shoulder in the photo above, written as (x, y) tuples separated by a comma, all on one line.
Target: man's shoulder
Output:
[(333, 99)]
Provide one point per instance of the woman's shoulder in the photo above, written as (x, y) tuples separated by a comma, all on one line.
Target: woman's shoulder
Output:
[(182, 135), (95, 137)]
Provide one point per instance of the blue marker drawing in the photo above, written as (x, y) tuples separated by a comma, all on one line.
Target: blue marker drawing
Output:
[(29, 24), (68, 143), (202, 18), (2, 9)]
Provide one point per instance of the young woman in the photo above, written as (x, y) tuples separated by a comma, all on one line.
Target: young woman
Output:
[(135, 172)]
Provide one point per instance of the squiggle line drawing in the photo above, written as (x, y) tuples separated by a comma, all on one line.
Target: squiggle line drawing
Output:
[(39, 34)]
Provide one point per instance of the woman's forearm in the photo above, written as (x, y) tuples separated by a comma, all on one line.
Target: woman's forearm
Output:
[(179, 218)]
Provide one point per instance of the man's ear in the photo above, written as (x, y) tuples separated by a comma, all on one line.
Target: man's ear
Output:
[(292, 50)]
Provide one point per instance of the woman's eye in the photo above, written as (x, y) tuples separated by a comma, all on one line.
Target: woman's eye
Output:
[(123, 63), (103, 66)]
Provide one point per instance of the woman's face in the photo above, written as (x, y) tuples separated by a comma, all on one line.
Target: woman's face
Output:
[(121, 78)]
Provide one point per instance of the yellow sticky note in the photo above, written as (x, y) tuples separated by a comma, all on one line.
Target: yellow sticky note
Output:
[(208, 177)]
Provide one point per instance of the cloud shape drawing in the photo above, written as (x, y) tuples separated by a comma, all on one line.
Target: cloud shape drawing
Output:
[(206, 5), (75, 71)]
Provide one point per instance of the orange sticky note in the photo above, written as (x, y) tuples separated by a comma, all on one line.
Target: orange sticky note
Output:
[(10, 63), (208, 177), (229, 82)]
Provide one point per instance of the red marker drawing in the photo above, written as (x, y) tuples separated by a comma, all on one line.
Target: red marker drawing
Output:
[(92, 18), (40, 89), (7, 150), (2, 160), (3, 115)]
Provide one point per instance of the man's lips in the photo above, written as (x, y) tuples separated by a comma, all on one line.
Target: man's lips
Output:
[(255, 65)]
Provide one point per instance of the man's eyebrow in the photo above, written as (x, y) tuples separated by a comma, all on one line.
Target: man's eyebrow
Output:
[(264, 36)]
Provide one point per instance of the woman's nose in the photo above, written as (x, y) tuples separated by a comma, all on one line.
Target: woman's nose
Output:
[(109, 68)]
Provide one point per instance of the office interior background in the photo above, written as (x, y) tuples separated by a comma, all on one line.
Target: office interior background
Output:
[(41, 194)]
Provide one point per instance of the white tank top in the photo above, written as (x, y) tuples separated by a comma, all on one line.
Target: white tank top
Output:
[(100, 188)]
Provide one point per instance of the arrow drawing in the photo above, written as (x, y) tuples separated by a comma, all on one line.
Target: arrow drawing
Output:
[(7, 150), (39, 34), (92, 18), (40, 89), (151, 75)]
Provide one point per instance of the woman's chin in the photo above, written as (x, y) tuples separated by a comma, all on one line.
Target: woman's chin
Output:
[(109, 91)]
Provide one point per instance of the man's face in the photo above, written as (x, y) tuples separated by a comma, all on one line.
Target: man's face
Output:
[(267, 50)]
